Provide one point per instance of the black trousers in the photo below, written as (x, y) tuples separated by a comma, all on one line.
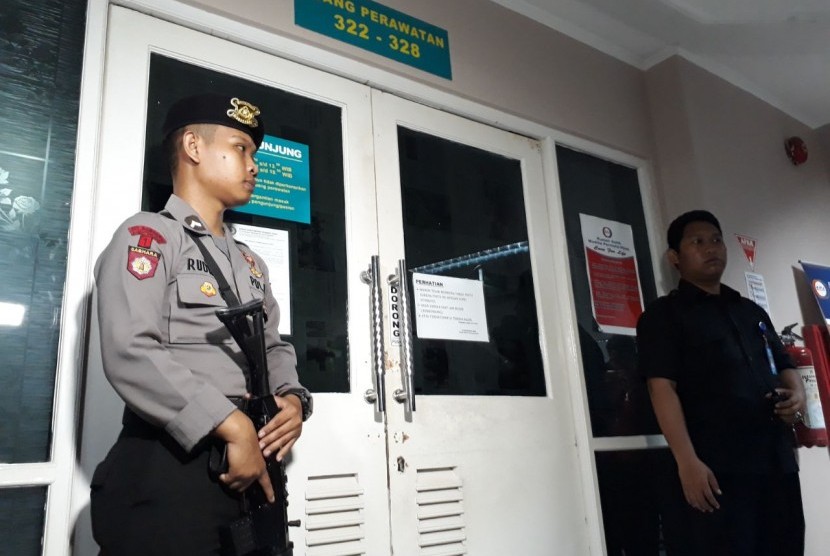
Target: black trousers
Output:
[(760, 515), (151, 498)]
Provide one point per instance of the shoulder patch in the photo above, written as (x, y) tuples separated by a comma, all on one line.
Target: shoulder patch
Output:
[(142, 263), (146, 236)]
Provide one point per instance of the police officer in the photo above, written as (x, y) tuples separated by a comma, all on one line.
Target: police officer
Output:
[(165, 352)]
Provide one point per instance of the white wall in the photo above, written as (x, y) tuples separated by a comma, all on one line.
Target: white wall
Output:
[(499, 59), (721, 149)]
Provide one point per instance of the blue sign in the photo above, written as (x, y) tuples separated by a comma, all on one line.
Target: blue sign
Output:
[(819, 279), (379, 29), (283, 185)]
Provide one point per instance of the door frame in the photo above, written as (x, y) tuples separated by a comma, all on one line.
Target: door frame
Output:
[(133, 37), (555, 498), (61, 473), (58, 473), (588, 445)]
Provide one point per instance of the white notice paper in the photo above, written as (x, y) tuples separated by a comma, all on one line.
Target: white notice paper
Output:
[(449, 308), (272, 246), (757, 290)]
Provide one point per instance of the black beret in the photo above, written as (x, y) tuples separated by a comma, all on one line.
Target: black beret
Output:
[(215, 109)]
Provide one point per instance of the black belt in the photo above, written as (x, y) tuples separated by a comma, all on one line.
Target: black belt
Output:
[(135, 425)]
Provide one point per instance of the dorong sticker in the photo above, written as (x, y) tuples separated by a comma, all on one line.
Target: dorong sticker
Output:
[(142, 263)]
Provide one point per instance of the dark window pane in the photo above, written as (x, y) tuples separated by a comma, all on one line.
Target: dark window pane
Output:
[(634, 490), (463, 202), (41, 47), (317, 250), (617, 395), (22, 513)]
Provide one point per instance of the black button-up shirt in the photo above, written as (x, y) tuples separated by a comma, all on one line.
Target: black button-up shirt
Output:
[(714, 348)]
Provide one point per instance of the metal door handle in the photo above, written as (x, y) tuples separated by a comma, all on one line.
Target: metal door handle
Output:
[(371, 276), (407, 392)]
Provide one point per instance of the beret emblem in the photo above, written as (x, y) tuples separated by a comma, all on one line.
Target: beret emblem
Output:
[(244, 112)]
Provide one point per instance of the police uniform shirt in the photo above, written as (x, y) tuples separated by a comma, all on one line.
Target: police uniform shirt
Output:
[(714, 349), (164, 350)]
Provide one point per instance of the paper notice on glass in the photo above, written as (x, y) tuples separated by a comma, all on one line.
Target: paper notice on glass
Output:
[(272, 246), (616, 299), (449, 308), (757, 290)]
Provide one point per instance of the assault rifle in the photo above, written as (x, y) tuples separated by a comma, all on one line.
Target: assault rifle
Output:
[(262, 529)]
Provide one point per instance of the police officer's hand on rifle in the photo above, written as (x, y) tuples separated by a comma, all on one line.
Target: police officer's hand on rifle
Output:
[(245, 462), (281, 432)]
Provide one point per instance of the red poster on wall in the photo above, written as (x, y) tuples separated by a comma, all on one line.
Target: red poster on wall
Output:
[(616, 298), (748, 245)]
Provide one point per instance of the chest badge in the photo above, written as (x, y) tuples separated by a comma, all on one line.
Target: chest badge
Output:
[(208, 289), (252, 263), (142, 263)]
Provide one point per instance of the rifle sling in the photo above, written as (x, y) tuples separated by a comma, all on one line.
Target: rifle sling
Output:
[(225, 289)]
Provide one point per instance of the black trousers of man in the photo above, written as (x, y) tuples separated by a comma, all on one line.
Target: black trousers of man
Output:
[(760, 515), (151, 498)]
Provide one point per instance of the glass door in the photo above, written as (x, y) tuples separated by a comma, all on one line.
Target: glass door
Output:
[(337, 471), (481, 456)]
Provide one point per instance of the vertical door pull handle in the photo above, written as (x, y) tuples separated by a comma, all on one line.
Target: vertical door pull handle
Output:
[(372, 277), (407, 391)]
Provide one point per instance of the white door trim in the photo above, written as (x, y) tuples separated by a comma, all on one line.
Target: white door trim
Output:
[(57, 474)]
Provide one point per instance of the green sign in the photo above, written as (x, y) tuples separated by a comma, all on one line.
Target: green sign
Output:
[(379, 29), (283, 185)]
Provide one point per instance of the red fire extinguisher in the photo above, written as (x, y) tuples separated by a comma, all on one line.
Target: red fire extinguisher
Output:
[(812, 431)]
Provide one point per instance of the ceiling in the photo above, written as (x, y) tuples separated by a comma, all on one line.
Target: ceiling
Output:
[(778, 50)]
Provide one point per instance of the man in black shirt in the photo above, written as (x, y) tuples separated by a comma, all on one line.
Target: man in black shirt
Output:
[(726, 395)]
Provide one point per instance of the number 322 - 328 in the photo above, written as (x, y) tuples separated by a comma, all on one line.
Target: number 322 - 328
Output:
[(361, 30)]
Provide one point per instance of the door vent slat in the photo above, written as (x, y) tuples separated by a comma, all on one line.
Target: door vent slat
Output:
[(428, 511), (442, 538), (354, 548), (456, 549), (332, 486), (323, 506), (441, 522), (328, 520), (334, 535), (335, 521), (437, 479), (439, 496)]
